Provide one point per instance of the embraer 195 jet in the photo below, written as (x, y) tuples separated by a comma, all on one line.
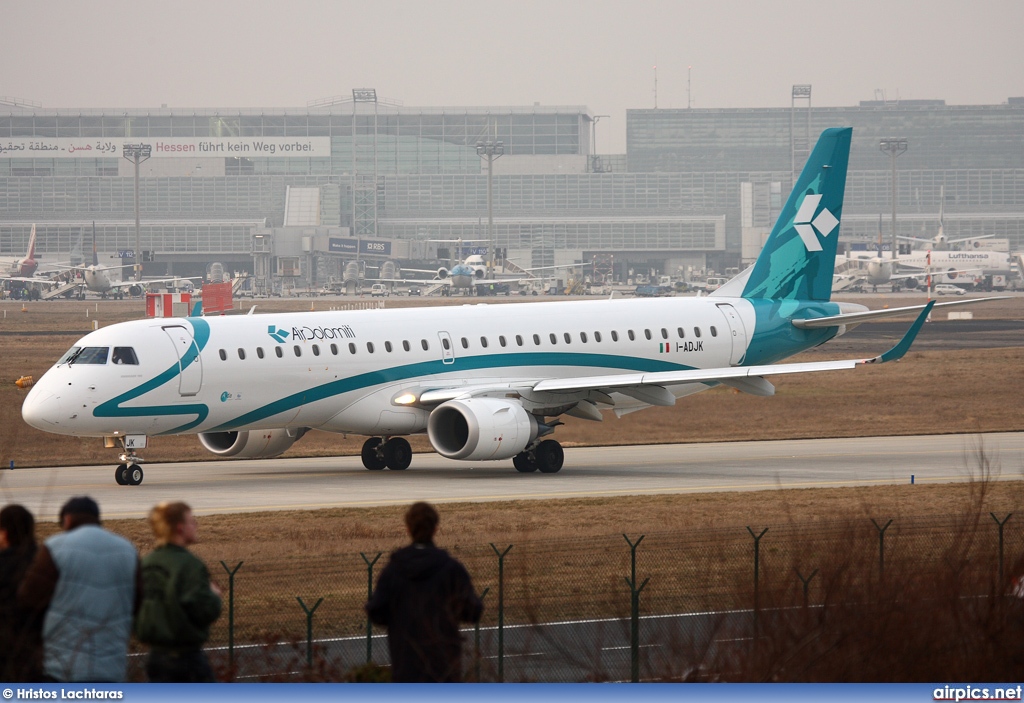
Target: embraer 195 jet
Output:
[(483, 383)]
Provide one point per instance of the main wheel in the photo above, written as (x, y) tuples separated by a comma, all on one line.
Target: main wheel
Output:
[(371, 457), (134, 475), (549, 456), (524, 463), (121, 474), (397, 454)]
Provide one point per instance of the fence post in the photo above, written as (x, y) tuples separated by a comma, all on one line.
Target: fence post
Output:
[(476, 637), (231, 614), (309, 628), (634, 614), (1005, 520), (757, 569), (805, 581), (501, 610), (369, 595), (881, 546)]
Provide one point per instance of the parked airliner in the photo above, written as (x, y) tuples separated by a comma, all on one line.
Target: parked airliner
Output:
[(483, 385), (25, 266)]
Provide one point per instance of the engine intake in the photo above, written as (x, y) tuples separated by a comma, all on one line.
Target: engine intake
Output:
[(250, 444), (481, 428)]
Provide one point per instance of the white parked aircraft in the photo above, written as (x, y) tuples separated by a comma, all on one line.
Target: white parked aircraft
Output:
[(940, 241), (482, 386)]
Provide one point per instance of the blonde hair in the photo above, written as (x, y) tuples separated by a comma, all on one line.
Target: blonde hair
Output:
[(165, 518)]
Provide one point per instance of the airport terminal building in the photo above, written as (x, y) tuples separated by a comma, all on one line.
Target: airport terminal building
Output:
[(300, 191)]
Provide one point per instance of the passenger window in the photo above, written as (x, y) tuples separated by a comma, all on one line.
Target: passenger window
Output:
[(259, 352), (241, 354), (405, 345), (316, 350), (615, 336), (124, 355), (298, 350), (696, 331), (632, 337), (279, 352), (536, 339), (369, 347), (483, 342), (568, 337), (679, 331), (387, 347), (553, 337), (444, 343), (425, 345), (583, 337), (223, 355), (334, 349), (597, 337), (465, 343), (664, 333), (352, 347), (519, 340), (501, 340), (714, 331), (647, 333)]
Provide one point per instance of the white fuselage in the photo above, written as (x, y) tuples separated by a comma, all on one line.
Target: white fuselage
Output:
[(341, 371)]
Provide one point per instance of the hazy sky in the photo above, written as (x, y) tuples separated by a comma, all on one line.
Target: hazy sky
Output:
[(598, 53)]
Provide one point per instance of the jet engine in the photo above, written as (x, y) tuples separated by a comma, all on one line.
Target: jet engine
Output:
[(442, 273), (481, 428), (135, 290), (251, 444)]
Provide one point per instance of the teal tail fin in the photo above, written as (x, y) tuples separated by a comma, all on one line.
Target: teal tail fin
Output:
[(799, 258)]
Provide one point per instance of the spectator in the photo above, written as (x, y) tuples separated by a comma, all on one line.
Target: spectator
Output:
[(86, 579), (20, 629), (421, 597), (179, 602)]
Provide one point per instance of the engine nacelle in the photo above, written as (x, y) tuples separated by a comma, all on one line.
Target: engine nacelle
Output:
[(250, 444), (442, 273), (135, 290), (481, 428)]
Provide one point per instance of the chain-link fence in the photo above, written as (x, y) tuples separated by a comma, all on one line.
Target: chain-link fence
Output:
[(738, 603)]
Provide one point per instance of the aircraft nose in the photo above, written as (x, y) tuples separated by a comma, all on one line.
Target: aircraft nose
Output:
[(41, 409)]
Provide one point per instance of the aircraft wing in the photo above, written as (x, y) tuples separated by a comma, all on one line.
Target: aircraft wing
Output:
[(148, 281), (855, 318), (85, 267), (651, 387)]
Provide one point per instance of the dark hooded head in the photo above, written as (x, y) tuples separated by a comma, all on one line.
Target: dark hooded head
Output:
[(421, 521)]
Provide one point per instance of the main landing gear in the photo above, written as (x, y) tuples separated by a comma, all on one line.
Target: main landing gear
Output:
[(547, 457), (393, 453)]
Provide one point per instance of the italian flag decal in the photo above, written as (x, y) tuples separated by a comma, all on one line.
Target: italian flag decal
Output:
[(664, 348)]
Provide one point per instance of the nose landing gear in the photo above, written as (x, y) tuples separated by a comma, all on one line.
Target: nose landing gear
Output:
[(128, 472)]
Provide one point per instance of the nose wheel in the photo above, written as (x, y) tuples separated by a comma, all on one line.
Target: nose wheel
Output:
[(128, 474)]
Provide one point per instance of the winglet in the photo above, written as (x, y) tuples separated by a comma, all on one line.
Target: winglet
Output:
[(900, 349)]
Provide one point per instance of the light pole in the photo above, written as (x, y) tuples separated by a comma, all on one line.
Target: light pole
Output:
[(137, 153), (893, 147), (492, 150), (594, 159)]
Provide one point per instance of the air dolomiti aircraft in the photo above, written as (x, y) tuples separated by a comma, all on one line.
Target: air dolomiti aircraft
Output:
[(484, 384)]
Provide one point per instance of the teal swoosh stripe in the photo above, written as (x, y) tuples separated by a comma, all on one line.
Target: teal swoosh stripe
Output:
[(431, 368), (112, 408)]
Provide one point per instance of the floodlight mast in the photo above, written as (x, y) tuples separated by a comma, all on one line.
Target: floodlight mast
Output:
[(894, 148), (137, 153), (492, 150)]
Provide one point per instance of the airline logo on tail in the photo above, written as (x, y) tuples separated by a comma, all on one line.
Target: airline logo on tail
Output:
[(806, 227)]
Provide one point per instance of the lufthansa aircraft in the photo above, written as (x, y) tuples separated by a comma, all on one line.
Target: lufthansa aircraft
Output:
[(483, 383)]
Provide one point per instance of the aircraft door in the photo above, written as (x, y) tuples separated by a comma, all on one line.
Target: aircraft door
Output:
[(190, 366), (447, 348), (737, 333)]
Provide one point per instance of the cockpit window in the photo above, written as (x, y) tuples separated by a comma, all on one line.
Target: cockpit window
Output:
[(85, 355), (124, 355)]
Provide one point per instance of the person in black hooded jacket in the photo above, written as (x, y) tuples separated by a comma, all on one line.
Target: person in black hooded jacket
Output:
[(421, 597)]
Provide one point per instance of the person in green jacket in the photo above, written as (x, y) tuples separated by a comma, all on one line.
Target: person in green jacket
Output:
[(179, 601)]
